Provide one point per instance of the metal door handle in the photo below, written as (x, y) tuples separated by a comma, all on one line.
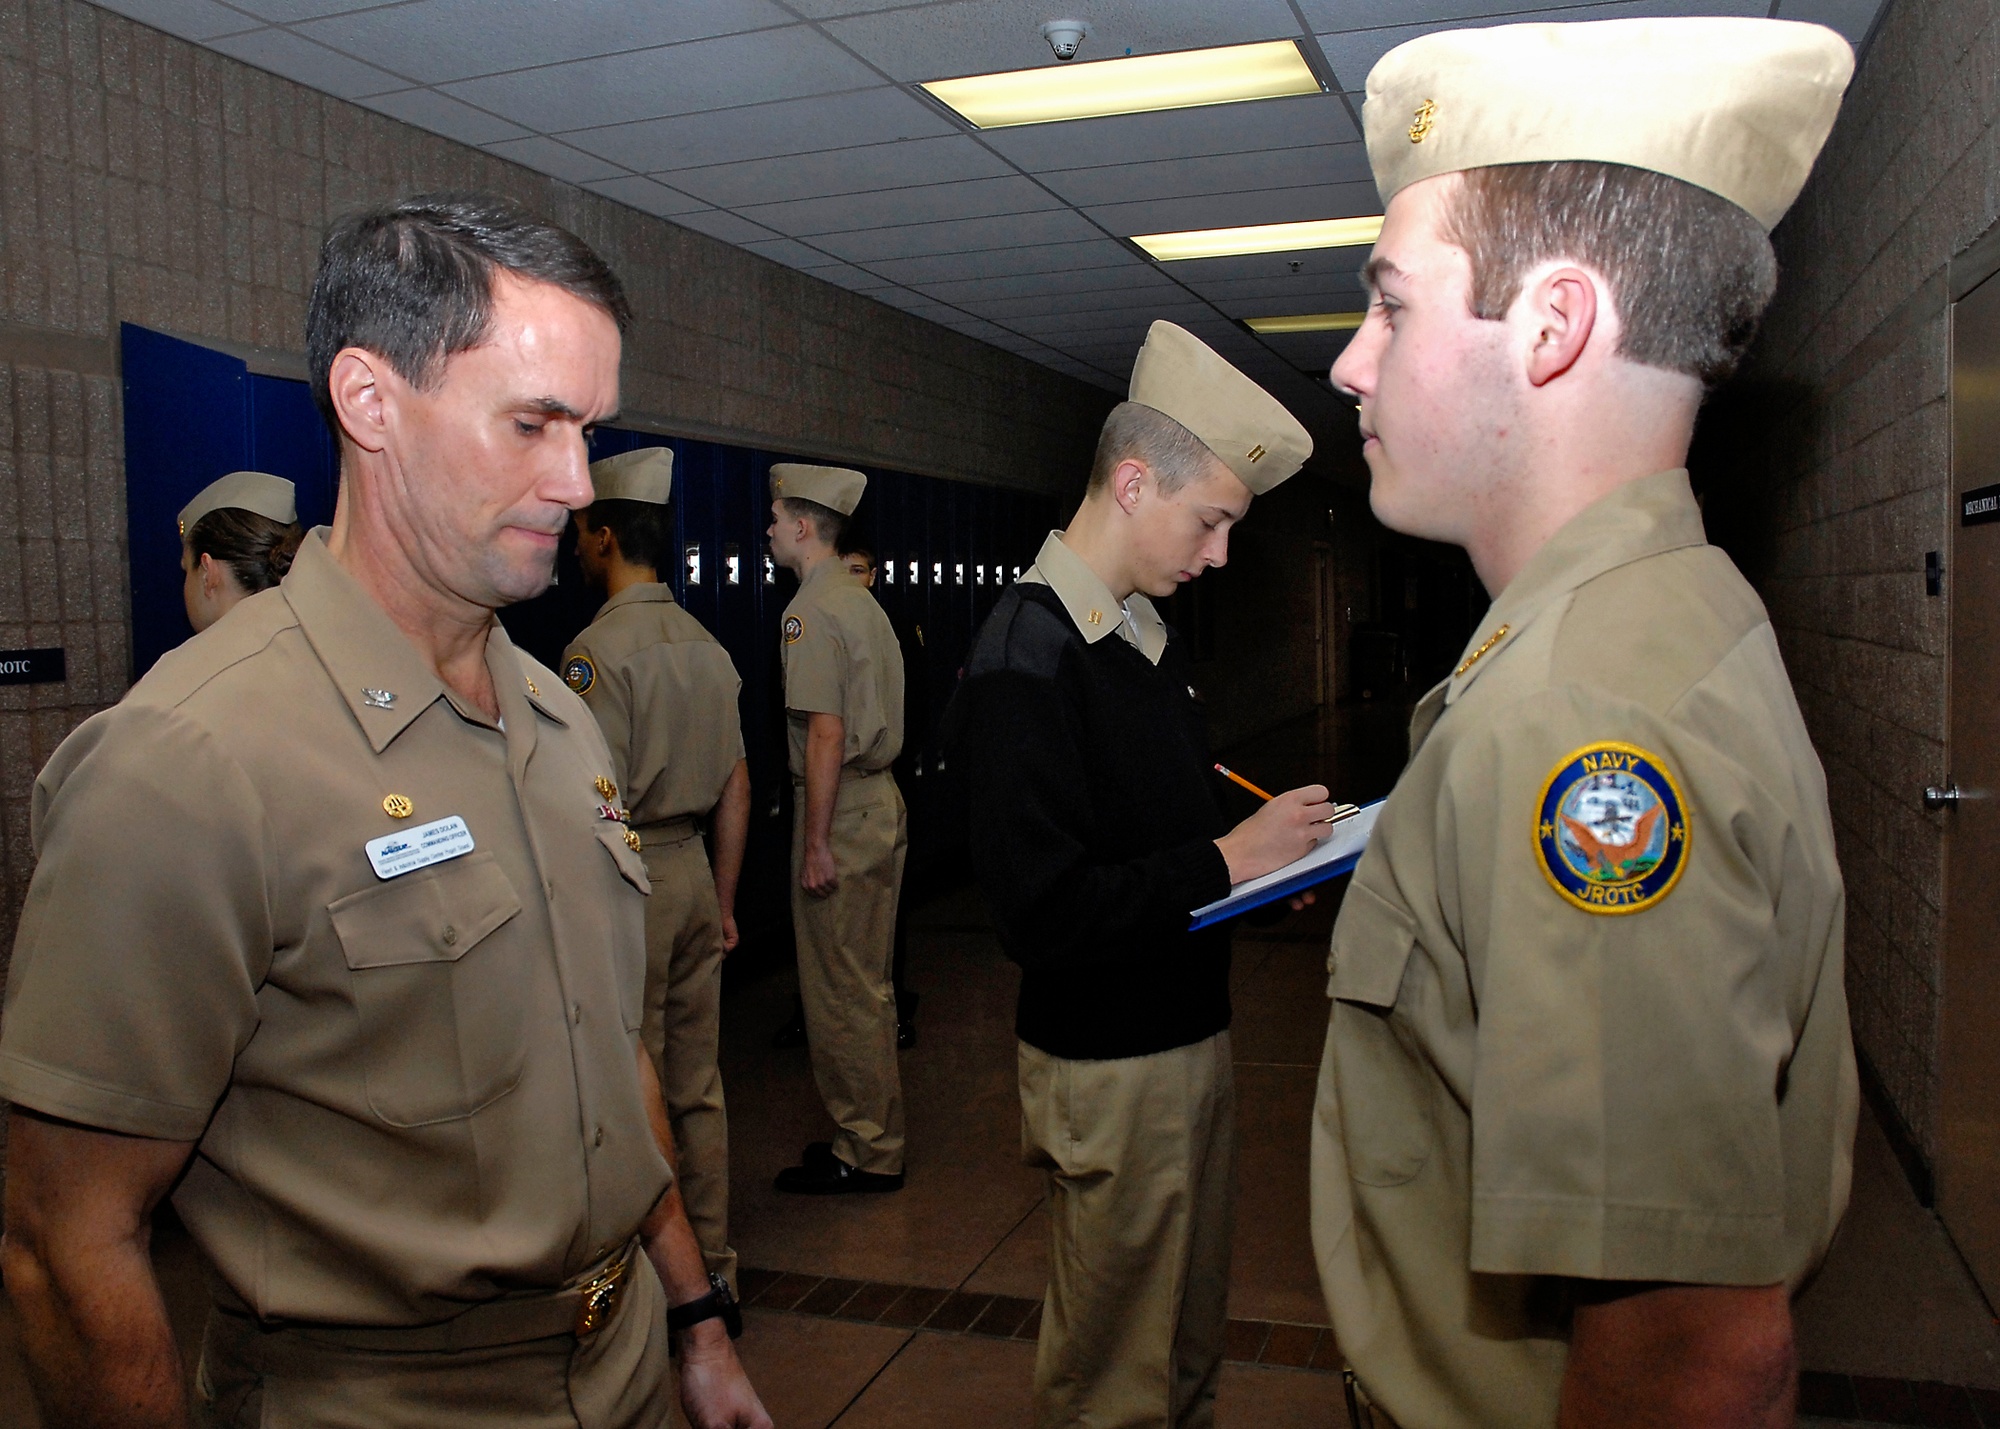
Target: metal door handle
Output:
[(1936, 798)]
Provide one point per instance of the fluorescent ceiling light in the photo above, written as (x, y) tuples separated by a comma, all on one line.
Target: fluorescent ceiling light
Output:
[(1262, 238), (1134, 85), (1307, 322)]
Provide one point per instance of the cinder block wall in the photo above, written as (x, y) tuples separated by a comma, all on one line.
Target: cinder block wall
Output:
[(145, 179), (1830, 471)]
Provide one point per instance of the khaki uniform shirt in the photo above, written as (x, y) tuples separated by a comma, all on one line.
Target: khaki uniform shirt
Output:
[(409, 1093), (664, 692), (1096, 612), (841, 658), (1588, 1014)]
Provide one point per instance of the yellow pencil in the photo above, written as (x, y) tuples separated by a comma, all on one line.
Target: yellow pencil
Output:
[(1234, 777)]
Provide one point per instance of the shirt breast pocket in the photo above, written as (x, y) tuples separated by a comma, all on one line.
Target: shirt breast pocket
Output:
[(442, 1021), (1384, 1084)]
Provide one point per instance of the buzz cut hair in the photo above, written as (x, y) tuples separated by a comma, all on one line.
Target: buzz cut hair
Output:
[(1690, 272), (1136, 432), (828, 524)]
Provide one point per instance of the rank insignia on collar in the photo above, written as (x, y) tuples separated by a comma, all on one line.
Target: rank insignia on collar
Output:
[(579, 674), (605, 788), (532, 690), (795, 629), (1612, 830)]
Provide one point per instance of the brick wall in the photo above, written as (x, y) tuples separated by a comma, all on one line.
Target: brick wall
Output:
[(145, 179), (1828, 474)]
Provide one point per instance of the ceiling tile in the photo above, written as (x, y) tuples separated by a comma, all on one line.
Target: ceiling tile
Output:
[(1066, 259), (558, 160), (442, 40), (1853, 18), (676, 79), (646, 195), (945, 159), (717, 223), (1354, 53), (970, 291), (931, 203), (1261, 297), (983, 36), (1177, 133), (967, 242), (855, 280), (285, 12), (1333, 16), (789, 252), (441, 114), (1137, 314), (1275, 205), (1312, 264), (1103, 305), (282, 52), (190, 19), (760, 131), (1216, 174)]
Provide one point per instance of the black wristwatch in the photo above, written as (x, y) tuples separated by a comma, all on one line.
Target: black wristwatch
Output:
[(718, 1301)]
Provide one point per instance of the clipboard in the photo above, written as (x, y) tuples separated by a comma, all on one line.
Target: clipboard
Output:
[(1341, 851)]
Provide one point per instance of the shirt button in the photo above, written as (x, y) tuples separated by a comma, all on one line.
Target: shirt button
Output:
[(598, 1140), (576, 1012), (549, 891), (450, 935)]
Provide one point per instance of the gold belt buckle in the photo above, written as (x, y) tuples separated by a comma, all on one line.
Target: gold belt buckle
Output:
[(600, 1298)]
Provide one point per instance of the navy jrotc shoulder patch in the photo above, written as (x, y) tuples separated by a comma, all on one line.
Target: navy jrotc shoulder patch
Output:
[(1612, 829), (579, 674), (795, 629)]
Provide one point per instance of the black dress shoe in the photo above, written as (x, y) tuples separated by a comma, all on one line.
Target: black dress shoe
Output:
[(834, 1177)]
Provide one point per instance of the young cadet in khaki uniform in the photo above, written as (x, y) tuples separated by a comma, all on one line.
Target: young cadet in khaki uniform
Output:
[(1586, 1112), (364, 993), (1094, 826), (664, 692), (238, 537), (844, 708)]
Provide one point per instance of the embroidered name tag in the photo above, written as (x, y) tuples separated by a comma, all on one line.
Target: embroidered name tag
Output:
[(408, 850)]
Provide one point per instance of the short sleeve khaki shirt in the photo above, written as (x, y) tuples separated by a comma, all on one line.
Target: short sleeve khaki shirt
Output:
[(841, 657), (408, 1093), (664, 692), (1588, 1016)]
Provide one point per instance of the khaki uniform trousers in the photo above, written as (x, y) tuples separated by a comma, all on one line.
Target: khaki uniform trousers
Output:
[(1141, 1157), (616, 1378), (846, 944), (682, 1025)]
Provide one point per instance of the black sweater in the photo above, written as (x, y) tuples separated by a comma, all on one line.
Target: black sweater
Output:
[(1092, 817)]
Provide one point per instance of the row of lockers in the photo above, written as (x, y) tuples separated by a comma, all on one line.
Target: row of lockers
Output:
[(947, 550)]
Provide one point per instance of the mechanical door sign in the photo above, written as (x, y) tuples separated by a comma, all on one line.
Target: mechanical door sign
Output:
[(1978, 506), (33, 667)]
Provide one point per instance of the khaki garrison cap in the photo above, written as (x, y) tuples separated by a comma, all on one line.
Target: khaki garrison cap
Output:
[(644, 475), (1249, 430), (1739, 107), (257, 491), (834, 486)]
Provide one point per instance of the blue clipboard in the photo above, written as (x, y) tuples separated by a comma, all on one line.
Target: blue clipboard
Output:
[(1338, 855)]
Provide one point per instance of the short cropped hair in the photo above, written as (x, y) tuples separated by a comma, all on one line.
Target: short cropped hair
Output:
[(1175, 455), (412, 282), (848, 548), (828, 524), (1690, 272), (644, 529), (257, 550)]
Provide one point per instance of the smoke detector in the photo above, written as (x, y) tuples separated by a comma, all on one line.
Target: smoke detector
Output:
[(1065, 37)]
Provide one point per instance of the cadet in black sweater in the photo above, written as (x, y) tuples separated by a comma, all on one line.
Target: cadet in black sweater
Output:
[(1095, 828)]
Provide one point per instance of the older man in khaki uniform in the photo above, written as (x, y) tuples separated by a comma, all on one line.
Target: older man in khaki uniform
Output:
[(1586, 1112), (1095, 827), (664, 692), (844, 711), (364, 991)]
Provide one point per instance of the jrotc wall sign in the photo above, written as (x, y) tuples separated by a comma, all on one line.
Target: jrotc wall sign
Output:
[(32, 667)]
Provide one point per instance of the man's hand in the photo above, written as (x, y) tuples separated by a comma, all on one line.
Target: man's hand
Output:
[(1662, 1357), (1283, 830), (819, 876), (714, 1390), (730, 937), (80, 1203)]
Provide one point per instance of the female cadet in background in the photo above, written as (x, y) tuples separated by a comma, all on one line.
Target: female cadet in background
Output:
[(237, 538)]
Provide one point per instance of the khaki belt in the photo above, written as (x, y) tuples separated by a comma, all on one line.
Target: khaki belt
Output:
[(668, 831), (580, 1308)]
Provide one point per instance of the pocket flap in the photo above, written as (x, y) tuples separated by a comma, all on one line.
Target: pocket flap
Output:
[(431, 916), (1371, 946), (612, 836)]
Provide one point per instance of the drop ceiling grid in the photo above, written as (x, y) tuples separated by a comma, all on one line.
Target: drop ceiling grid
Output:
[(789, 127)]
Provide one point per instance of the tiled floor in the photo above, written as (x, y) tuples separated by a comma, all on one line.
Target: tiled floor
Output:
[(916, 1309)]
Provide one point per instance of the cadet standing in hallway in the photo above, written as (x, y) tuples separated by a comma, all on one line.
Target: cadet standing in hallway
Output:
[(1586, 1112), (664, 692), (844, 715), (238, 536), (363, 992), (1094, 827)]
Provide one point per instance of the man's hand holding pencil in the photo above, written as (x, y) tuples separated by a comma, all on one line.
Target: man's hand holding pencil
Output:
[(1286, 829)]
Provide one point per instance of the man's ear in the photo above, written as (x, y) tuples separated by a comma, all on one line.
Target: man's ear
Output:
[(355, 384), (1128, 481), (1562, 308)]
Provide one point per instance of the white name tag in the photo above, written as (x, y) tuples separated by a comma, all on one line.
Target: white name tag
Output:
[(407, 850)]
